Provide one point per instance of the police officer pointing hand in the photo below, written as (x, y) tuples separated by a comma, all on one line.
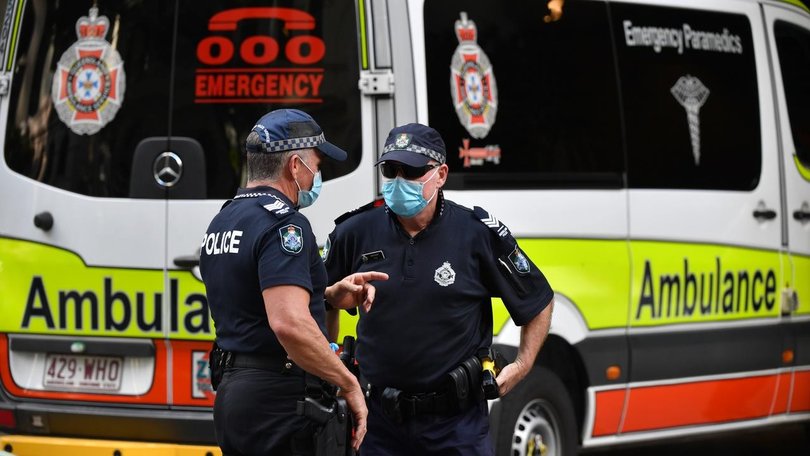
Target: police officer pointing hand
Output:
[(424, 345), (266, 286)]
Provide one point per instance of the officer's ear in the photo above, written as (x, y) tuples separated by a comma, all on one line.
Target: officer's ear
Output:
[(441, 175)]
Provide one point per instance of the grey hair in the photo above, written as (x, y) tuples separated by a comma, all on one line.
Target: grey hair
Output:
[(267, 166)]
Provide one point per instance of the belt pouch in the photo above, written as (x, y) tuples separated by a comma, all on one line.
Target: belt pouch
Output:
[(390, 404)]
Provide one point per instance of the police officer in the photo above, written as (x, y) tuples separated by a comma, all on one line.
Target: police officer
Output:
[(266, 285), (445, 262)]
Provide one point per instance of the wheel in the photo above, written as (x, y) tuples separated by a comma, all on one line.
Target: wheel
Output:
[(537, 418)]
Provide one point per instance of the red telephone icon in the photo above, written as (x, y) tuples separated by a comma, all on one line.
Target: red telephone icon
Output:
[(293, 19)]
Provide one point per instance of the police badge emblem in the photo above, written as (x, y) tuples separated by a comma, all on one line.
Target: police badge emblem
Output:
[(519, 261), (292, 240), (403, 140), (445, 275), (89, 81), (472, 82)]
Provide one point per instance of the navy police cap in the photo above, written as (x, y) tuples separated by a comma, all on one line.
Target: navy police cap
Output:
[(290, 129), (414, 145)]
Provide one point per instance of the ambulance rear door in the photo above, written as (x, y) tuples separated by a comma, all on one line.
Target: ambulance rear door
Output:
[(705, 214), (789, 39), (82, 262)]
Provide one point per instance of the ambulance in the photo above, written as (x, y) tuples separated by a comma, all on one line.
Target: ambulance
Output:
[(651, 157)]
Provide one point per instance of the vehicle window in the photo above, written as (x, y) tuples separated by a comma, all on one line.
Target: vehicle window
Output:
[(80, 134), (235, 62), (107, 107), (530, 105), (689, 89), (793, 45)]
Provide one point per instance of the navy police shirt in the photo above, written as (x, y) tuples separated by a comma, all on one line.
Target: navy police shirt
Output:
[(257, 241), (435, 310)]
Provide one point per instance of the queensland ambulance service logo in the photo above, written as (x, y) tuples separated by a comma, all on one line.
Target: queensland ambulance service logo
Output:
[(292, 240), (89, 82), (445, 275), (472, 82), (691, 94)]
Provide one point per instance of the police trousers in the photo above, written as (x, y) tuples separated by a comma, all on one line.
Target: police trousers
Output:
[(255, 414), (463, 434)]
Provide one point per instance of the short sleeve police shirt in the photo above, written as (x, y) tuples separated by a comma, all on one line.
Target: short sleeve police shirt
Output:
[(258, 241), (435, 310)]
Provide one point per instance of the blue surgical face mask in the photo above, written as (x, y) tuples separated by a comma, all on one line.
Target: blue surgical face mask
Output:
[(306, 198), (404, 197)]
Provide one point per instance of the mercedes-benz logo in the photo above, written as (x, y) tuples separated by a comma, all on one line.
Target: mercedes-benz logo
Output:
[(167, 169)]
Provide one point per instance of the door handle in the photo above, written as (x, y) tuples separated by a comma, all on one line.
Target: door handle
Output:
[(187, 261), (803, 213), (765, 214)]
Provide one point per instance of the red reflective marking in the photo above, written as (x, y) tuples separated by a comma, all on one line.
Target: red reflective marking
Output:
[(7, 419), (717, 401), (800, 401), (780, 402), (609, 405), (190, 386)]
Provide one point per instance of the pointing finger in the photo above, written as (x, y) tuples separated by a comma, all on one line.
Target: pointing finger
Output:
[(368, 276)]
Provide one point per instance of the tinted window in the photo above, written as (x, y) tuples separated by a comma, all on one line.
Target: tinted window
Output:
[(793, 44), (42, 146), (255, 57), (689, 87), (526, 105), (293, 54)]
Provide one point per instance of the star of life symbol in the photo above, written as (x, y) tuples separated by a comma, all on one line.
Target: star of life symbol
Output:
[(691, 94), (472, 82), (89, 81), (445, 275)]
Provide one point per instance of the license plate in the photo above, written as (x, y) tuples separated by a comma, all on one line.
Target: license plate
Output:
[(83, 373)]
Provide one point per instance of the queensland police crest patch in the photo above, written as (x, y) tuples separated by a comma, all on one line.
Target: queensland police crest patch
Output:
[(519, 261), (325, 251), (445, 275), (292, 239)]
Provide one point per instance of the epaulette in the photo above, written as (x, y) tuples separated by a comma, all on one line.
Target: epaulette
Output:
[(275, 205), (493, 223), (354, 212), (225, 204)]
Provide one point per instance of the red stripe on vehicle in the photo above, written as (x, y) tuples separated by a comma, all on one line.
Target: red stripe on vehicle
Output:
[(609, 405), (800, 401), (706, 402)]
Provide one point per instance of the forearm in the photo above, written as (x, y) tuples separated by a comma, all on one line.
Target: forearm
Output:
[(532, 336), (332, 324), (309, 349)]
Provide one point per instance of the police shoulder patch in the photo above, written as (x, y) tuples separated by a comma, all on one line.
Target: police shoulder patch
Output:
[(519, 261), (354, 212), (275, 205), (492, 222), (292, 238)]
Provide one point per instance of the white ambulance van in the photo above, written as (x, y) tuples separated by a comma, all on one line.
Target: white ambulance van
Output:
[(652, 157)]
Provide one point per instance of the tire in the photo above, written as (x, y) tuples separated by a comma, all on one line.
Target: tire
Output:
[(538, 410)]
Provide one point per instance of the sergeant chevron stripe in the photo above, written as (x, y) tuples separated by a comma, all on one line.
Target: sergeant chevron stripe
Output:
[(275, 206), (496, 225)]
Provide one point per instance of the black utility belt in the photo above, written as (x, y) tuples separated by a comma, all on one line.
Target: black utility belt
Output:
[(263, 362), (460, 390)]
